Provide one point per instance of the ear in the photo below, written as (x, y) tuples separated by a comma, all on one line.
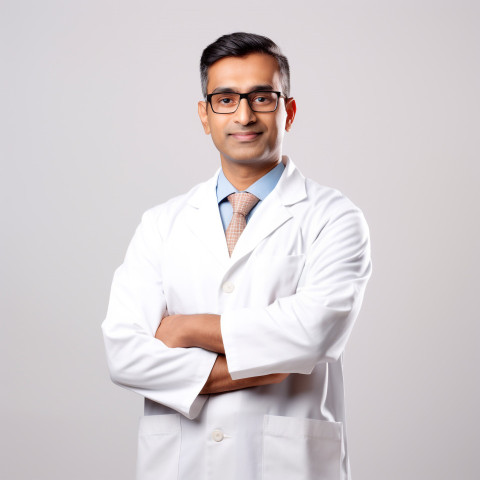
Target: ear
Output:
[(291, 108), (202, 113)]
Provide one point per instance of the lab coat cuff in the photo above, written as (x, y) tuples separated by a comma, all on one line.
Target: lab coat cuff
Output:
[(194, 401), (233, 348), (249, 355)]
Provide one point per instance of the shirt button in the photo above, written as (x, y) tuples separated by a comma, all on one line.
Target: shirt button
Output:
[(228, 287), (217, 435)]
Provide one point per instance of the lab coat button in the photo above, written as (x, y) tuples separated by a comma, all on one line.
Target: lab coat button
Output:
[(228, 287), (217, 435)]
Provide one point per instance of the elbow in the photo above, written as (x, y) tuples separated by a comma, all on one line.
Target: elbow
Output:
[(120, 360), (118, 371), (117, 375), (330, 349), (330, 343), (329, 357), (318, 356), (128, 371)]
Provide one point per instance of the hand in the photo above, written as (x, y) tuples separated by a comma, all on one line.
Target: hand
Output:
[(220, 380), (170, 331), (199, 330)]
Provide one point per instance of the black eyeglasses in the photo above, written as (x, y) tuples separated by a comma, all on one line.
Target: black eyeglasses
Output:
[(264, 101)]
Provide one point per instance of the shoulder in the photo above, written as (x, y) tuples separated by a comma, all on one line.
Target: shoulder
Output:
[(332, 225), (327, 200), (326, 210), (306, 196), (161, 217)]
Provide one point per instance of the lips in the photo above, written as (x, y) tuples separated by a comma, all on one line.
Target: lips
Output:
[(245, 136)]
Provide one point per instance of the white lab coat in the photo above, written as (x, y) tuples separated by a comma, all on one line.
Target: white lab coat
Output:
[(288, 298)]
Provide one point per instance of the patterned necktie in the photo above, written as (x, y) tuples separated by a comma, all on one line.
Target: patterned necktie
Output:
[(242, 203)]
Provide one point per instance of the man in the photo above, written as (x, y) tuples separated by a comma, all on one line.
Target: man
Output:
[(233, 306)]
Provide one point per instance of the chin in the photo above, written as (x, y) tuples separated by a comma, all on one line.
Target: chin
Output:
[(248, 155)]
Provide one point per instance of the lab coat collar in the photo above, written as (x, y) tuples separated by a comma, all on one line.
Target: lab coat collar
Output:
[(206, 224), (291, 186)]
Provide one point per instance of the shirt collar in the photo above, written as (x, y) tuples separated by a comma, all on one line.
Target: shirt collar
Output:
[(261, 188)]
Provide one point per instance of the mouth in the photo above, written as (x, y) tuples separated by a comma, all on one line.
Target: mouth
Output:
[(245, 136)]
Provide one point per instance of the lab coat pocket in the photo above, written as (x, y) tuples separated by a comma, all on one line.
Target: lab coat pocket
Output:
[(301, 449), (159, 438), (274, 276)]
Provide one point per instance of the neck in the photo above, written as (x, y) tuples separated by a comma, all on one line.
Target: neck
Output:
[(241, 176)]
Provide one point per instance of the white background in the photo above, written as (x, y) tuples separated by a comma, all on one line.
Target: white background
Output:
[(98, 122)]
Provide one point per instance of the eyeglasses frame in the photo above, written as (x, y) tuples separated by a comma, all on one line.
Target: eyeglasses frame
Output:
[(245, 96)]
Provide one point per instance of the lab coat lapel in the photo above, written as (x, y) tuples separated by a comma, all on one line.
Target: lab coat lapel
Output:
[(273, 212), (204, 220)]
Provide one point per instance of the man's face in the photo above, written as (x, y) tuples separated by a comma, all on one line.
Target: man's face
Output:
[(247, 137)]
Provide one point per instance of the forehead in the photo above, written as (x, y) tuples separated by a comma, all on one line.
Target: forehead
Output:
[(242, 73)]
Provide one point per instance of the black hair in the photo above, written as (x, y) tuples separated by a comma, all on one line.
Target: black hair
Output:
[(240, 44)]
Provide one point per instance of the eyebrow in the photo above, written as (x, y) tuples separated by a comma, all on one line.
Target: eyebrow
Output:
[(255, 88)]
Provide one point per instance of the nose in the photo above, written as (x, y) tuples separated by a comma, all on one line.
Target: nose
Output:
[(244, 114)]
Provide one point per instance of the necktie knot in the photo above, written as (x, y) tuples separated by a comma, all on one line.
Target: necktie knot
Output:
[(242, 202)]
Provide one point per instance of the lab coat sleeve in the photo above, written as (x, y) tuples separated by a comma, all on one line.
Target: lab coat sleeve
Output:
[(294, 333), (137, 360)]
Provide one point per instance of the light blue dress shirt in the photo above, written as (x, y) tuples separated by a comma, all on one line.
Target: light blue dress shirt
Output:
[(261, 188)]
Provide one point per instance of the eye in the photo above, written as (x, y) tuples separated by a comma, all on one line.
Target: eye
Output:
[(225, 99), (263, 98)]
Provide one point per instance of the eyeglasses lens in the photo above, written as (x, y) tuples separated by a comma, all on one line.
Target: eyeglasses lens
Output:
[(258, 101)]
